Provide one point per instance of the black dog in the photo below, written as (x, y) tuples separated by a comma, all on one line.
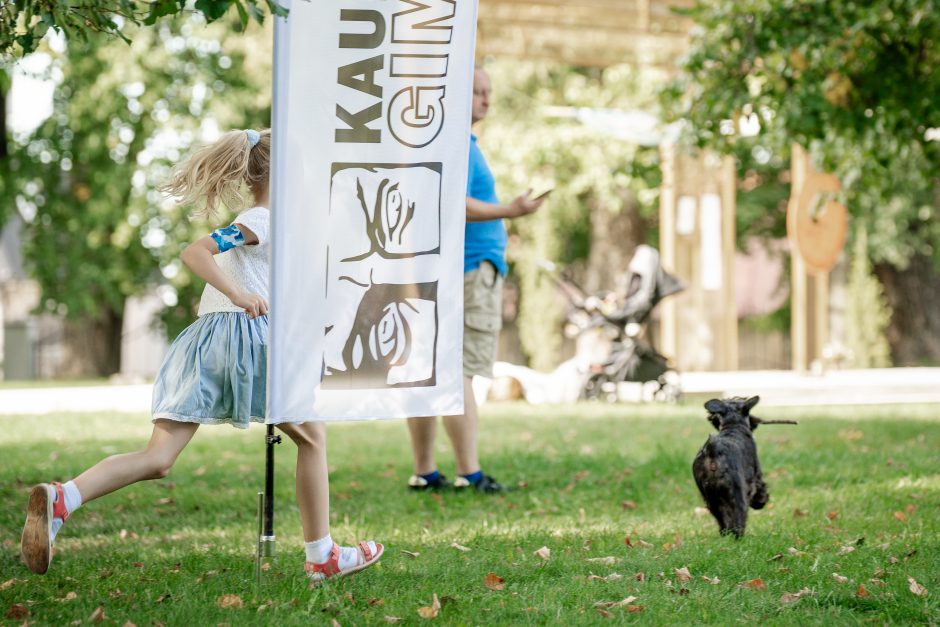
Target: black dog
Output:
[(726, 469)]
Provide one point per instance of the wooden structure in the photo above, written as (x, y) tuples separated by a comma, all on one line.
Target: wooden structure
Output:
[(816, 228), (593, 33), (699, 327)]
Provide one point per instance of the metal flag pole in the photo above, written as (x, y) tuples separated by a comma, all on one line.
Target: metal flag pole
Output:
[(266, 539)]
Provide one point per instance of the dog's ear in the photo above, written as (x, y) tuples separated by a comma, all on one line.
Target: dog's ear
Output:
[(715, 409), (715, 406), (749, 403)]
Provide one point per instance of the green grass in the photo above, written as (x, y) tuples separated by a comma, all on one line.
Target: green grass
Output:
[(166, 551)]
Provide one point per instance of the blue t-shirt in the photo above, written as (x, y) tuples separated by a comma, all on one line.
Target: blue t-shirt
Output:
[(483, 241)]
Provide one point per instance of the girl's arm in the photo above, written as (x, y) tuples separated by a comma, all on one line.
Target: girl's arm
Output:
[(478, 211), (198, 258)]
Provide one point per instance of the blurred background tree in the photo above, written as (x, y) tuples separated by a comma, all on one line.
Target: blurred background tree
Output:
[(605, 197), (856, 83), (96, 230), (24, 23)]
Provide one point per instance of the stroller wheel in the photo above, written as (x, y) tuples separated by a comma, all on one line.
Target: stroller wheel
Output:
[(593, 387), (669, 390)]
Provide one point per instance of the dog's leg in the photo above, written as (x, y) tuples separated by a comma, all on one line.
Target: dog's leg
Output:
[(738, 511), (760, 497)]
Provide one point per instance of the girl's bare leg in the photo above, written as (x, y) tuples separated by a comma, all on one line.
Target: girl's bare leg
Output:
[(313, 479), (169, 438)]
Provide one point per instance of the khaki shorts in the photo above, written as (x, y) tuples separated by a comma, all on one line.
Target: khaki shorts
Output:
[(482, 319)]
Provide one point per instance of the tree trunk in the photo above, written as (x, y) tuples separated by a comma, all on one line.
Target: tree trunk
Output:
[(614, 237), (914, 297), (4, 151), (93, 346)]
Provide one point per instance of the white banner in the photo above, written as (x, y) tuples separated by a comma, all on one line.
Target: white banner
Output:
[(371, 136)]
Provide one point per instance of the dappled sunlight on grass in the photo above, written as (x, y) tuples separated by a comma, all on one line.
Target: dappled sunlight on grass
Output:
[(606, 489)]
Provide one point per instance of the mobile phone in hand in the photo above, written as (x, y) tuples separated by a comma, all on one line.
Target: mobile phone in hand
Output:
[(543, 192)]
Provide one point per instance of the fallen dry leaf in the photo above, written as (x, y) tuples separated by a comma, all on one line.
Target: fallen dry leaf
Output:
[(799, 513), (431, 611), (459, 547), (893, 560), (7, 584), (229, 600), (839, 578), (910, 508), (610, 560), (793, 597), (603, 612), (607, 604), (543, 553), (901, 516), (98, 615), (756, 584), (645, 544), (411, 553), (916, 588), (635, 608), (832, 515), (641, 577), (265, 605), (17, 612), (162, 598), (129, 624), (795, 552), (628, 504), (846, 550), (861, 593), (69, 596), (376, 601), (683, 574), (776, 557), (335, 623), (713, 580), (700, 511), (392, 619), (494, 582)]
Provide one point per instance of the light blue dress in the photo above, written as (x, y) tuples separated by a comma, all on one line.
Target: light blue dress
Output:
[(215, 372)]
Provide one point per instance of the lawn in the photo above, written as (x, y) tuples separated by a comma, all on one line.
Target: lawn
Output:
[(853, 520)]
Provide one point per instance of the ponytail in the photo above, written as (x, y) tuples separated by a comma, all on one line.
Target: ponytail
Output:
[(217, 174)]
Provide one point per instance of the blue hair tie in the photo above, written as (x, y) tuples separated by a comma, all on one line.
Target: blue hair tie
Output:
[(253, 137)]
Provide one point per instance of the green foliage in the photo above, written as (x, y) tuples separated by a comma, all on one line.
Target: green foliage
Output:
[(166, 551), (867, 314), (853, 81), (528, 143), (97, 231), (23, 23)]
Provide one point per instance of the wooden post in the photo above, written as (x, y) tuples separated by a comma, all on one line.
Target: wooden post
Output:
[(820, 240), (668, 327)]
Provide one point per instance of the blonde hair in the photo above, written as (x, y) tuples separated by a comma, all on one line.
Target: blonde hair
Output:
[(217, 174)]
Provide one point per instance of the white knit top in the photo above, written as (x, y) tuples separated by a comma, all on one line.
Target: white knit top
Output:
[(247, 266)]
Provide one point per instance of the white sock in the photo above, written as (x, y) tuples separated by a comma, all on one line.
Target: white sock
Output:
[(318, 551), (350, 556), (73, 500)]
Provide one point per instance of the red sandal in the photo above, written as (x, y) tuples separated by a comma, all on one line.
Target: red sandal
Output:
[(330, 568), (43, 507)]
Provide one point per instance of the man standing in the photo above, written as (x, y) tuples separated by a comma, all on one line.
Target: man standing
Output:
[(484, 269)]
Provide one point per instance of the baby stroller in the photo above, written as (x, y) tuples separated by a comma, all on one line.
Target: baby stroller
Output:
[(631, 359)]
